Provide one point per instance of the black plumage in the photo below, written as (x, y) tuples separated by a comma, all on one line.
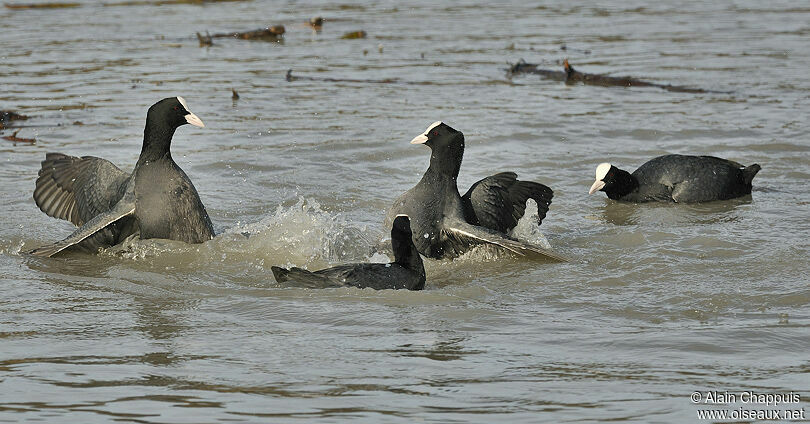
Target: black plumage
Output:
[(499, 201), (406, 272), (156, 200), (676, 178), (447, 224)]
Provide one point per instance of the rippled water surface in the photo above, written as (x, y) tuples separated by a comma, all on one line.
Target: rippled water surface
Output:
[(660, 301)]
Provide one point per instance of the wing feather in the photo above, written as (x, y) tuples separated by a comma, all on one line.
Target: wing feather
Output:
[(122, 209), (77, 189), (499, 201), (471, 235)]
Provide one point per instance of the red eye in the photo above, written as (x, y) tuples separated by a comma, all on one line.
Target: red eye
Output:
[(435, 132), (610, 174), (176, 108)]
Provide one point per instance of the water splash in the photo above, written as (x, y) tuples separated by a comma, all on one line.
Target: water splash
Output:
[(299, 235), (527, 228), (13, 247)]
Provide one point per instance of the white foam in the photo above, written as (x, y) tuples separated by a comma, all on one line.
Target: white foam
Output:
[(602, 170)]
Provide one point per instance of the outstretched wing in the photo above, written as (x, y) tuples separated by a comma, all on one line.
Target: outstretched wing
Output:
[(463, 234), (499, 201), (123, 208), (77, 189)]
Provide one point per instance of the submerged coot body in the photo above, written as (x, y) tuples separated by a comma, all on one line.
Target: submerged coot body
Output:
[(406, 272), (676, 178)]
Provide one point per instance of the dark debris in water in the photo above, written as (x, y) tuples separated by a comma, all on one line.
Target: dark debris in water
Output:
[(271, 33), (14, 139), (290, 78), (205, 40), (166, 2), (41, 5), (6, 116), (565, 48), (65, 5), (523, 67), (572, 76)]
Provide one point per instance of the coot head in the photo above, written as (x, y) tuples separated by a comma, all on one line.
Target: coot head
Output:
[(615, 182), (605, 176), (438, 135), (401, 227), (447, 146), (174, 112), (405, 252)]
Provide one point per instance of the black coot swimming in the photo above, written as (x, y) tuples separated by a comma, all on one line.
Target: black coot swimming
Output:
[(447, 224), (406, 272), (156, 200), (676, 178)]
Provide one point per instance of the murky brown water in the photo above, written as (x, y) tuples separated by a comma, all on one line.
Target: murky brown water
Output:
[(662, 301)]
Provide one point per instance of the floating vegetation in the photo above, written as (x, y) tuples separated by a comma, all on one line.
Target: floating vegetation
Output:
[(41, 5), (354, 35)]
